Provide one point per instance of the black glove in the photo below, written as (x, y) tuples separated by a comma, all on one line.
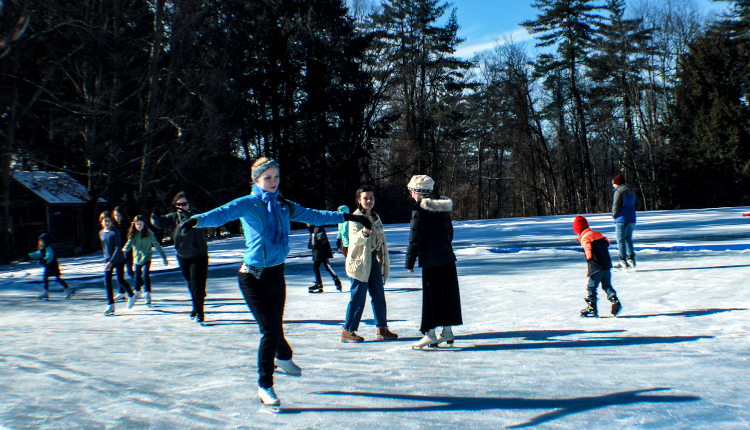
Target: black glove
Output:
[(186, 226), (338, 243), (360, 219)]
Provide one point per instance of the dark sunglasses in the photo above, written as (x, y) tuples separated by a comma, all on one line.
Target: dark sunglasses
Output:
[(181, 204)]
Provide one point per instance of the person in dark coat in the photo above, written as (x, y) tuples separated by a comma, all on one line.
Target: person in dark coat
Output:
[(191, 249), (430, 237), (624, 205), (596, 249), (114, 261), (321, 252), (123, 223), (47, 258)]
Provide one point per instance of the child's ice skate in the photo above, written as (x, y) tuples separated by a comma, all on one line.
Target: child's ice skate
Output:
[(590, 310), (616, 305)]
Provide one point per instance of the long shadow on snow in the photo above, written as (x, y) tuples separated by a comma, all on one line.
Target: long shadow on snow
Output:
[(585, 343), (531, 334), (687, 314), (561, 407), (693, 268)]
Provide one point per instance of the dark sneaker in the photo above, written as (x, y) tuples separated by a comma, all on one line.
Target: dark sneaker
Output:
[(351, 337), (385, 334)]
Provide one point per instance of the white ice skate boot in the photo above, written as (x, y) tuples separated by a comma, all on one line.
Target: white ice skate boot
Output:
[(148, 298), (288, 366), (109, 311), (120, 296), (43, 296), (268, 397), (428, 339), (134, 298), (446, 336), (69, 292)]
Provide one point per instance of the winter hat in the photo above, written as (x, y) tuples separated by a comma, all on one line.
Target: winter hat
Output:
[(258, 170), (343, 208), (580, 224), (619, 179), (421, 184), (45, 238)]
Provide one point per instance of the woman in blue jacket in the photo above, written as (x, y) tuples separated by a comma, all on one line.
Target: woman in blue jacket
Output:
[(265, 216)]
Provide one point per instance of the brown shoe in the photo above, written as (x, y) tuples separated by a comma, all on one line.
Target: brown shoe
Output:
[(351, 337), (385, 334)]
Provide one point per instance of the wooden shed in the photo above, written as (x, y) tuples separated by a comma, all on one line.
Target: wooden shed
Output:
[(53, 203)]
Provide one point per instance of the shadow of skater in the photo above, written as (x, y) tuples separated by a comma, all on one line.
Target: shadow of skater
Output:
[(560, 407), (687, 314)]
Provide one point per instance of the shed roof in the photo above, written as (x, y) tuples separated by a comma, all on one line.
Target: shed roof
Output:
[(53, 187)]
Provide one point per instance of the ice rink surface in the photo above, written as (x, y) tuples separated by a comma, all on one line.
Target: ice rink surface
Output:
[(675, 358)]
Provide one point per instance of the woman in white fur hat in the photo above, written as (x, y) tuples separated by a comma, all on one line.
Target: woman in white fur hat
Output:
[(430, 238)]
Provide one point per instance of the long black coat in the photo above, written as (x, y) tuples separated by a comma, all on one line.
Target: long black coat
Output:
[(321, 248), (431, 233)]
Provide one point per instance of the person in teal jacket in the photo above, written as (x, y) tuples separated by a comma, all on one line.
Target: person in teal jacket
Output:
[(265, 216), (46, 257), (141, 240), (342, 238)]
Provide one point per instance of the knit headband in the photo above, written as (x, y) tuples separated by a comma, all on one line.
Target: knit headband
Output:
[(258, 170)]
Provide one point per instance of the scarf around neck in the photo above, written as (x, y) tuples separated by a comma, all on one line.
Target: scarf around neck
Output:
[(276, 229)]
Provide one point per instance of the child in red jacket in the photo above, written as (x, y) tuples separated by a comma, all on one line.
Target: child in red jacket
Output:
[(596, 247)]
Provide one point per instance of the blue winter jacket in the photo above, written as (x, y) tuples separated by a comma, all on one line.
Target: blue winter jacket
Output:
[(624, 204), (253, 214)]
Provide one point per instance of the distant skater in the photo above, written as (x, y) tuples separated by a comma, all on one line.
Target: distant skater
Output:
[(596, 248), (123, 223), (114, 262), (430, 242), (265, 216), (46, 257), (624, 205), (321, 252), (191, 249), (141, 240)]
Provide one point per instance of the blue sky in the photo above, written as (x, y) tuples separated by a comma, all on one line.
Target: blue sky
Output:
[(484, 22)]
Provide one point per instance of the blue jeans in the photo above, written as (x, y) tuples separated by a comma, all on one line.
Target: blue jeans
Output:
[(625, 240), (359, 291), (603, 276)]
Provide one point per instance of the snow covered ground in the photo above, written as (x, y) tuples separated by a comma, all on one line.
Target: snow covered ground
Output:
[(675, 358)]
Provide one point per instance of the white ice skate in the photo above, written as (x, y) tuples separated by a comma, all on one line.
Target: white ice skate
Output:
[(631, 266), (288, 367), (427, 340), (110, 311), (148, 298), (69, 292), (43, 296), (446, 336), (269, 400), (134, 298), (120, 297)]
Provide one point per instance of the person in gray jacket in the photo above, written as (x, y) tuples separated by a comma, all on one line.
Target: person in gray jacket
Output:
[(191, 249)]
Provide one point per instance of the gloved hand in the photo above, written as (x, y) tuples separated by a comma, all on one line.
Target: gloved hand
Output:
[(338, 243), (360, 219), (186, 226)]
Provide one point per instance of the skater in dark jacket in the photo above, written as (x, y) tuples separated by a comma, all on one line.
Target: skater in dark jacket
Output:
[(191, 249), (265, 216), (114, 261), (624, 205), (46, 257), (321, 252), (596, 248), (123, 222), (430, 237)]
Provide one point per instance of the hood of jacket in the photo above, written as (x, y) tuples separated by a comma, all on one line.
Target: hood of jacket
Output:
[(436, 203)]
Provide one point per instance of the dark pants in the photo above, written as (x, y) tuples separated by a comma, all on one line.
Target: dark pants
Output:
[(316, 270), (195, 271), (266, 297), (142, 276), (57, 278), (128, 267), (604, 277), (120, 269)]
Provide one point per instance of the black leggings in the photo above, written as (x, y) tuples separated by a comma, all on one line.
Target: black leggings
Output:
[(195, 271), (120, 269), (316, 269), (266, 298), (142, 276), (57, 278)]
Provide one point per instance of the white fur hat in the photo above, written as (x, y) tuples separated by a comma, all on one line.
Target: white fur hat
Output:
[(421, 184)]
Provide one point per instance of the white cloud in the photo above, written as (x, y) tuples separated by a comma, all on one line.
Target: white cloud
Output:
[(518, 35)]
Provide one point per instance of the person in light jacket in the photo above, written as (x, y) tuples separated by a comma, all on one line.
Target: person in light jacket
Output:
[(368, 266), (265, 216), (430, 237)]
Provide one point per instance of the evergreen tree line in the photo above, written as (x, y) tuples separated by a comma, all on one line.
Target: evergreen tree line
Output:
[(138, 100)]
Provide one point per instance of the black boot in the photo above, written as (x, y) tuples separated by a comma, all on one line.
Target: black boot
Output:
[(590, 310), (337, 281), (317, 287), (616, 305)]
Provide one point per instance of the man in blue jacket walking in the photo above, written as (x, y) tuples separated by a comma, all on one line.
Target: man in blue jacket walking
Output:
[(624, 205)]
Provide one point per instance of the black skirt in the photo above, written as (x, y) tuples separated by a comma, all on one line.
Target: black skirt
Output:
[(441, 300)]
